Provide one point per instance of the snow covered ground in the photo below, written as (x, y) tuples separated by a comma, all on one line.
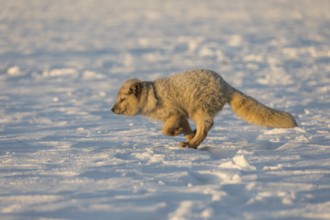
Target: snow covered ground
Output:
[(64, 155)]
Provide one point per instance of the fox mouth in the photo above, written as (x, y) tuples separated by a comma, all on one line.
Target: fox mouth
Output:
[(116, 111)]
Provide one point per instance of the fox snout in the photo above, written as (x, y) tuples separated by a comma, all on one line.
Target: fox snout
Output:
[(115, 109)]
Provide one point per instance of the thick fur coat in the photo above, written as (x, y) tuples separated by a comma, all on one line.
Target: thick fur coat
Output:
[(197, 95)]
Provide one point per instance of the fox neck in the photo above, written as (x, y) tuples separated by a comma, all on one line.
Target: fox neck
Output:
[(148, 99)]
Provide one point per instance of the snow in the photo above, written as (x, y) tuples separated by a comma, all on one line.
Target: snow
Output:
[(64, 155)]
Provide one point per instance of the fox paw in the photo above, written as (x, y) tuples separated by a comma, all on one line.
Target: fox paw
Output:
[(177, 131), (190, 136), (186, 145), (172, 132)]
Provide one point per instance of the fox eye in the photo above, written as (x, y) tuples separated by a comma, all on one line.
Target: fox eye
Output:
[(121, 100)]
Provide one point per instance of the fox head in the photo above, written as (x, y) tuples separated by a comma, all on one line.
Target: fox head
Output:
[(128, 97)]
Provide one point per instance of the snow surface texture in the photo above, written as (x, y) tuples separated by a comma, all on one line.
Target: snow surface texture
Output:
[(64, 155)]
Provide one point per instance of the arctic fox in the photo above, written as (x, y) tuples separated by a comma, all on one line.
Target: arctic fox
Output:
[(197, 95)]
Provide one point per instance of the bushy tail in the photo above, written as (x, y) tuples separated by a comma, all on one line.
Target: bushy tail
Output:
[(257, 113)]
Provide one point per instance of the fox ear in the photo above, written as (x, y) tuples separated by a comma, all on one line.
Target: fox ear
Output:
[(136, 89)]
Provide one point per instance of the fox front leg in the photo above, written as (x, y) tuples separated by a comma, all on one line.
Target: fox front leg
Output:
[(176, 125), (188, 137), (204, 123), (172, 126), (187, 132)]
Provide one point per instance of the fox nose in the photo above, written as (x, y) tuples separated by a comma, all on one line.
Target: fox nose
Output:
[(113, 109)]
